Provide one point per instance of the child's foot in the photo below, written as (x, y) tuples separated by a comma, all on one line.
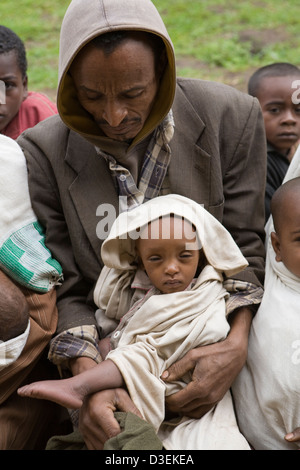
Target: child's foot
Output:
[(59, 391)]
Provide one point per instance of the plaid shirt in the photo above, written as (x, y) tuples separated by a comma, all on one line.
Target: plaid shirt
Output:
[(154, 170)]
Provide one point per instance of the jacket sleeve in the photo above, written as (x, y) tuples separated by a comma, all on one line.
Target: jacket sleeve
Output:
[(244, 181), (219, 160)]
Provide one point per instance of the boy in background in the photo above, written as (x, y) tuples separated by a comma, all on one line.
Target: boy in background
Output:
[(22, 108), (272, 85)]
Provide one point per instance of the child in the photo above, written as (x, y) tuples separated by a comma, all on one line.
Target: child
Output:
[(267, 391), (171, 308), (272, 85), (21, 109)]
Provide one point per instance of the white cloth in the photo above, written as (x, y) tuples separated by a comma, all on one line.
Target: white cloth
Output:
[(23, 254), (10, 350), (166, 326), (267, 391)]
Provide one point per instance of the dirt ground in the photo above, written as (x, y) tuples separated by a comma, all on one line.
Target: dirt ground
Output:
[(237, 80)]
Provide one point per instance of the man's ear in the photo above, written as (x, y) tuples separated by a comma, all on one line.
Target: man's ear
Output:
[(276, 245)]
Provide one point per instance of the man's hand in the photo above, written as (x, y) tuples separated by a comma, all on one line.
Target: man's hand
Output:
[(96, 419), (214, 369)]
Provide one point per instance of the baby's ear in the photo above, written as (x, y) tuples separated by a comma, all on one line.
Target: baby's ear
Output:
[(276, 246)]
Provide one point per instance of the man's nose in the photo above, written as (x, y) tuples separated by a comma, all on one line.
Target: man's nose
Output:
[(114, 113)]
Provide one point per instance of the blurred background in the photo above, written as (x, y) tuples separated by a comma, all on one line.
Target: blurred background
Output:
[(221, 40)]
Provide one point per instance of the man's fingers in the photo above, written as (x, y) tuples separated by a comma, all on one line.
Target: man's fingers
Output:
[(124, 402)]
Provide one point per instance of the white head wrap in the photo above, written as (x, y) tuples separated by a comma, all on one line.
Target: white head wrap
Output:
[(118, 250)]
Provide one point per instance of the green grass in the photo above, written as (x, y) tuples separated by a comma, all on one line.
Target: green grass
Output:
[(38, 24), (217, 39)]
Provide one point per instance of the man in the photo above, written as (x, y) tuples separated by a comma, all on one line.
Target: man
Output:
[(128, 131)]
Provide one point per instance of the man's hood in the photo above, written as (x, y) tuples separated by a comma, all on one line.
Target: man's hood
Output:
[(83, 21)]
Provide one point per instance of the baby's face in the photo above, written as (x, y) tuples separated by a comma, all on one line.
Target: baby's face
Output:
[(15, 87), (281, 115), (169, 254)]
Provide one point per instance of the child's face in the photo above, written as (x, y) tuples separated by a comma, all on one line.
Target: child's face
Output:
[(281, 115), (15, 86), (286, 242), (168, 260)]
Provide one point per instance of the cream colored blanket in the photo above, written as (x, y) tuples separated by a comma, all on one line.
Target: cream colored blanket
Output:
[(167, 326)]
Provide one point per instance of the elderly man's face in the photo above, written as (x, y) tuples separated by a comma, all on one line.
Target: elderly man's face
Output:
[(117, 89)]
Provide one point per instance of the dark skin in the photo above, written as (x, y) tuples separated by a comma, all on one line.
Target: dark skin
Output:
[(15, 87)]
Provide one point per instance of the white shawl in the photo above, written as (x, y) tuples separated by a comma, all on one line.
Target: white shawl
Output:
[(267, 391)]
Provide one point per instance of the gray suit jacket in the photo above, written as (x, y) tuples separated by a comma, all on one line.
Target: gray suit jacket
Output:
[(218, 159)]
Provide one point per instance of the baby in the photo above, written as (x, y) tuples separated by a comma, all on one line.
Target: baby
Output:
[(163, 275)]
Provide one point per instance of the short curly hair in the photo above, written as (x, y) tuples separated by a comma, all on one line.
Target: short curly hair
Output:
[(277, 69), (10, 41)]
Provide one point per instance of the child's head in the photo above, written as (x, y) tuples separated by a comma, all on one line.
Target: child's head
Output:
[(13, 72), (285, 209), (272, 86), (169, 252)]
